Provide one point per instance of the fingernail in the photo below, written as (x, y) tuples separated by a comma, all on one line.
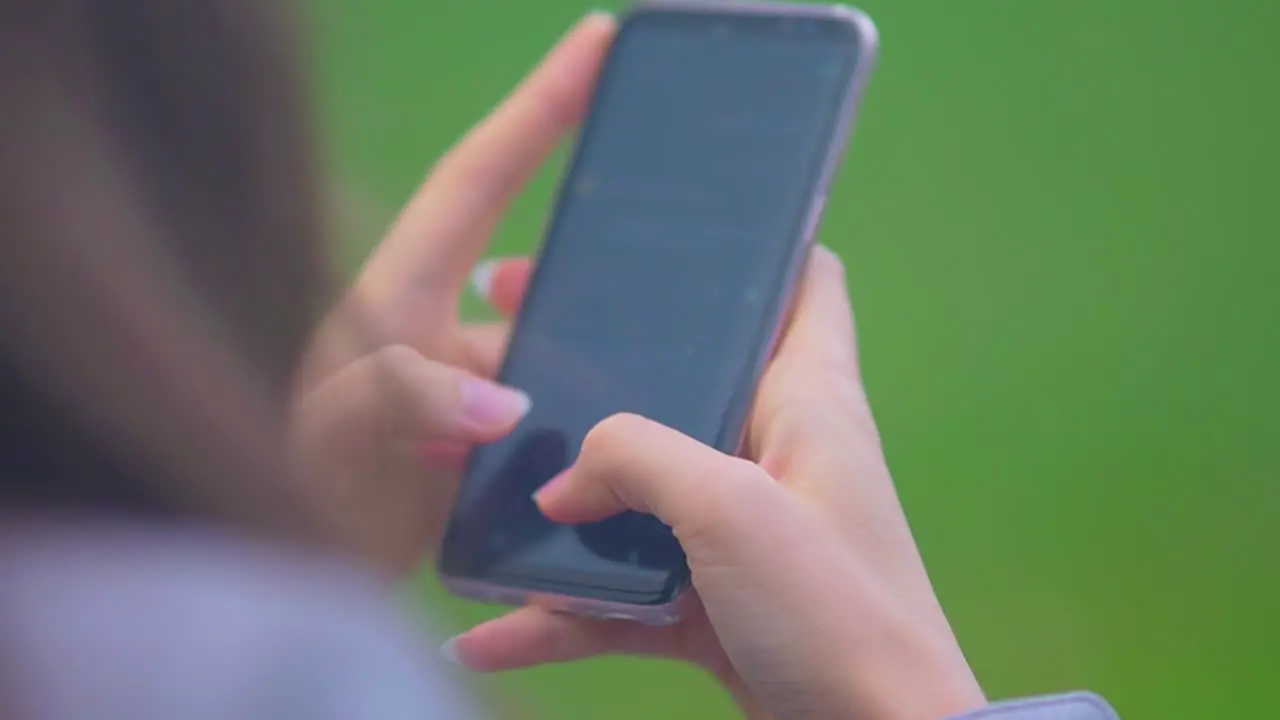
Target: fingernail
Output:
[(482, 277), (551, 487), (449, 651), (490, 405)]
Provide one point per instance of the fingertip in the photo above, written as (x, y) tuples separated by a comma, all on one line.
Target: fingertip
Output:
[(568, 502), (482, 276), (596, 27), (457, 650), (822, 326), (502, 281), (472, 651), (488, 407), (522, 638), (827, 263), (601, 19), (548, 496), (509, 283), (449, 651)]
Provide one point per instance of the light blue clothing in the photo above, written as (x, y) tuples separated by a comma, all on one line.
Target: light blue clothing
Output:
[(1071, 706), (118, 623)]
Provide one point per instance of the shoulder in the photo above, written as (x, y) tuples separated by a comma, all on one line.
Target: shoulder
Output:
[(180, 623)]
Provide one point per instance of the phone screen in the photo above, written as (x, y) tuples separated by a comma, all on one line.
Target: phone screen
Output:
[(661, 282)]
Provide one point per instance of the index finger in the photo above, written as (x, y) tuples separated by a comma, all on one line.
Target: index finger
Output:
[(813, 387), (466, 193), (821, 330)]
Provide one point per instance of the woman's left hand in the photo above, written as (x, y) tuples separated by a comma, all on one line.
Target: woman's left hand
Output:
[(381, 417)]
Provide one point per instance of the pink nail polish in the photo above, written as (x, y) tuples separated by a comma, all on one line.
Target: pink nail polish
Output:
[(482, 277), (489, 405)]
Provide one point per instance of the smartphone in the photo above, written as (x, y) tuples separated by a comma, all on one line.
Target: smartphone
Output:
[(667, 271)]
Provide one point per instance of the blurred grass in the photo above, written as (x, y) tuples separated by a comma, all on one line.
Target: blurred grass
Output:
[(1061, 227)]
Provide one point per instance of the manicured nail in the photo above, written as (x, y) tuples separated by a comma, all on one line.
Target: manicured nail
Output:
[(482, 277), (449, 651), (551, 487), (490, 405)]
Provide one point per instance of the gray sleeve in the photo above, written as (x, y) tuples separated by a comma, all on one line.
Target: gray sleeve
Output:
[(1071, 706), (155, 626), (356, 667)]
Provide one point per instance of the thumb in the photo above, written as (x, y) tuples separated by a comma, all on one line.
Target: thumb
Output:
[(711, 501)]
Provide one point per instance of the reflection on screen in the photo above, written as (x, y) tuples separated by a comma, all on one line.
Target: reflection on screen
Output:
[(660, 277)]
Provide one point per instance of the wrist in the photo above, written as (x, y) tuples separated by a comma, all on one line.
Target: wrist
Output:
[(917, 675), (921, 676), (744, 698)]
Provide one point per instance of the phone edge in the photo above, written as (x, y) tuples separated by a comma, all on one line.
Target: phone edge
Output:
[(671, 612)]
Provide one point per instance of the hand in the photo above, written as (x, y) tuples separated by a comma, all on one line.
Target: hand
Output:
[(394, 391), (813, 600)]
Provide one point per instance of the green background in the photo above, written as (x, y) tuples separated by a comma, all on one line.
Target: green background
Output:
[(1060, 224)]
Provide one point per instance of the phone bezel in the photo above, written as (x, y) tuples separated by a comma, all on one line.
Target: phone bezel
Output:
[(670, 609)]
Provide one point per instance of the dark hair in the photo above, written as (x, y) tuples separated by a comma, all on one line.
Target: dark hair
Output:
[(161, 256)]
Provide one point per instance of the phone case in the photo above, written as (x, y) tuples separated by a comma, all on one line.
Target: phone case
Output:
[(671, 612)]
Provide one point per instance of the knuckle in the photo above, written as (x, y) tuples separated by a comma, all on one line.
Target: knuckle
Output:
[(611, 436), (746, 488), (417, 394), (609, 457), (729, 504), (724, 481), (399, 357), (744, 471), (421, 376)]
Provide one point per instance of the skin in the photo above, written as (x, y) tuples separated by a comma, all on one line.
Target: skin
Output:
[(384, 432), (812, 600)]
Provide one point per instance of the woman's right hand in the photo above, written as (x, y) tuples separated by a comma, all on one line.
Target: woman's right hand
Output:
[(814, 602)]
